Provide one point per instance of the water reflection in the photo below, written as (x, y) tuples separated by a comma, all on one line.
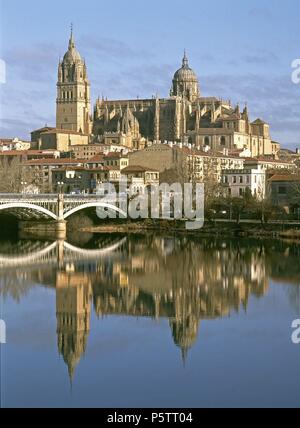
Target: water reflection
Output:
[(182, 280)]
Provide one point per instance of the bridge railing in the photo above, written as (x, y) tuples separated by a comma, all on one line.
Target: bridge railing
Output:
[(27, 195), (47, 196), (53, 197)]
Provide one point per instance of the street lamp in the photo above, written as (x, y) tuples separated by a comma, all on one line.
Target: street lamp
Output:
[(60, 186)]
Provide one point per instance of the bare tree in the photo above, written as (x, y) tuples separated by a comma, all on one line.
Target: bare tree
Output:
[(12, 175)]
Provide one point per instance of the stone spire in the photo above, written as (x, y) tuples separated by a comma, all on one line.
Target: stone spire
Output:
[(185, 61), (71, 41), (157, 119)]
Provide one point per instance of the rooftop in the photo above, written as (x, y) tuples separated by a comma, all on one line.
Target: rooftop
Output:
[(59, 161), (285, 178), (97, 158), (137, 168), (267, 160), (62, 131)]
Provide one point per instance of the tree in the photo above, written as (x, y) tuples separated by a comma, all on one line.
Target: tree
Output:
[(13, 176)]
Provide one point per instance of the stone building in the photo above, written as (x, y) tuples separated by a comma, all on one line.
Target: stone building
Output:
[(178, 163), (285, 192), (237, 182), (73, 92), (62, 140), (184, 116)]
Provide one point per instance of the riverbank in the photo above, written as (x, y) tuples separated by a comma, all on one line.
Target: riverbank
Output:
[(218, 228)]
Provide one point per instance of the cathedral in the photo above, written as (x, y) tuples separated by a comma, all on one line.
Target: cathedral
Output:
[(185, 116)]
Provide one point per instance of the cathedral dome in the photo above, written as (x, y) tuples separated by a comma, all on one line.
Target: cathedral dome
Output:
[(185, 73), (72, 55), (185, 82)]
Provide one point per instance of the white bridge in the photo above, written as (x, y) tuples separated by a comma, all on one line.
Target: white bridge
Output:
[(52, 206), (40, 253)]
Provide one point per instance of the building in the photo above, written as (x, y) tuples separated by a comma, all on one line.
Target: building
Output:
[(27, 155), (266, 163), (117, 160), (139, 177), (285, 192), (73, 93), (61, 140), (7, 144), (41, 170), (93, 149), (183, 116), (177, 162), (77, 179), (186, 116), (36, 134), (237, 182)]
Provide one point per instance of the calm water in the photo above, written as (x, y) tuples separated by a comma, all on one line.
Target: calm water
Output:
[(149, 322)]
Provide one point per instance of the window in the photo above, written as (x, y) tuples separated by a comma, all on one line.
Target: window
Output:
[(223, 141), (282, 190), (234, 179), (206, 141), (241, 192), (241, 179)]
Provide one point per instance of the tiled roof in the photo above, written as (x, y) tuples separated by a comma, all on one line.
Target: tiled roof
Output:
[(78, 168), (115, 155), (267, 160), (27, 152), (60, 161), (44, 129), (137, 168), (97, 158), (63, 131), (259, 122), (282, 177)]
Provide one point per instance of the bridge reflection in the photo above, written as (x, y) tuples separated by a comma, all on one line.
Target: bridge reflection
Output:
[(58, 252), (183, 280)]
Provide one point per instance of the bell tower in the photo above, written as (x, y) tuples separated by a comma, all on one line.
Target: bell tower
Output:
[(73, 92)]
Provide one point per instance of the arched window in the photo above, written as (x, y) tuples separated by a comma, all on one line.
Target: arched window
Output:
[(206, 141), (223, 141)]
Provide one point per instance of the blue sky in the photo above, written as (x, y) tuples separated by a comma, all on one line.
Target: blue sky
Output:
[(241, 50)]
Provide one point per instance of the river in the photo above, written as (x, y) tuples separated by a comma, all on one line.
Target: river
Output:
[(149, 321)]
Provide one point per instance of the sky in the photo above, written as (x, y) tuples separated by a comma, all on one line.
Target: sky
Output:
[(240, 50)]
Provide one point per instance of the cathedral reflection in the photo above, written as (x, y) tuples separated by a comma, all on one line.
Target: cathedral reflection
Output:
[(182, 280), (73, 311)]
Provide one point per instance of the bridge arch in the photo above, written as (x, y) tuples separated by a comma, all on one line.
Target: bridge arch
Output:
[(29, 258), (94, 205), (95, 253), (28, 206)]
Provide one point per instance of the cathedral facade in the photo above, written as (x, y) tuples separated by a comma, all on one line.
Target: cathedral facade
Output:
[(185, 116)]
